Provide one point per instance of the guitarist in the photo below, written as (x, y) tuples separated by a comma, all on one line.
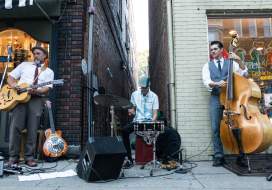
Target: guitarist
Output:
[(27, 115)]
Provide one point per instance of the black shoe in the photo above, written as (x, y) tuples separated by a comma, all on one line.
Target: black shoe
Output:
[(12, 163), (223, 161), (241, 162), (217, 162), (31, 163), (128, 164)]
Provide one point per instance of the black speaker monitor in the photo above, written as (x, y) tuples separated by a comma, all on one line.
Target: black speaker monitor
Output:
[(101, 159)]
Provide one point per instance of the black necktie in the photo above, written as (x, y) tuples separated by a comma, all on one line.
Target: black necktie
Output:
[(219, 65)]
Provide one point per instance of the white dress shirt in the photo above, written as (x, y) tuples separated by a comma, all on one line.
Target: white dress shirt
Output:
[(25, 72), (206, 78)]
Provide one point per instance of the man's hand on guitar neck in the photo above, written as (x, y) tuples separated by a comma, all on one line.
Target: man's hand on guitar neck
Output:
[(39, 91), (33, 91)]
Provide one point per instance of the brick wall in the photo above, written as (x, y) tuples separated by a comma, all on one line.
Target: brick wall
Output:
[(69, 54), (107, 54), (191, 52), (158, 53), (71, 99)]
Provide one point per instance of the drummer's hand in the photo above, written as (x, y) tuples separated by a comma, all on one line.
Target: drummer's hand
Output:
[(131, 111)]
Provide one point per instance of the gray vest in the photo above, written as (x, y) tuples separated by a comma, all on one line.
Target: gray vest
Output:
[(217, 76)]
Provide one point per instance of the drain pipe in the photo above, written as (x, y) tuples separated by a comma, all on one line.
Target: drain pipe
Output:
[(91, 12), (171, 64)]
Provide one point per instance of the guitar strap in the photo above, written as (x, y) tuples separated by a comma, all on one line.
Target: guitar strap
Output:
[(43, 68)]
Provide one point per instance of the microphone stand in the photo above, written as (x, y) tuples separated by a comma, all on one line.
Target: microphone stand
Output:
[(4, 74)]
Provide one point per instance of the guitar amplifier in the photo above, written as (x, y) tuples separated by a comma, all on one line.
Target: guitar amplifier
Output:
[(102, 159)]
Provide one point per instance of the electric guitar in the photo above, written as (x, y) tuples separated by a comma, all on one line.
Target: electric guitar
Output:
[(54, 146), (10, 97)]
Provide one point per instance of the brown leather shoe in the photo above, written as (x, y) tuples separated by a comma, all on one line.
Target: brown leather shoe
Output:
[(13, 162), (31, 163)]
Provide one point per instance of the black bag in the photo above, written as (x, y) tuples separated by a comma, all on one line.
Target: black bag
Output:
[(168, 145)]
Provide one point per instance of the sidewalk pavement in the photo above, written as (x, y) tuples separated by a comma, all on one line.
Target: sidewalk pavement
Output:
[(204, 176)]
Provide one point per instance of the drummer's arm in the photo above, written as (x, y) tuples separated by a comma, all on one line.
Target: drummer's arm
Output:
[(155, 115)]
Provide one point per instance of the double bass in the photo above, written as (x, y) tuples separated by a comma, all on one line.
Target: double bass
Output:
[(243, 128)]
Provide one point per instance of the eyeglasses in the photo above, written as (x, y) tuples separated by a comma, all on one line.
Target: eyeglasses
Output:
[(214, 49)]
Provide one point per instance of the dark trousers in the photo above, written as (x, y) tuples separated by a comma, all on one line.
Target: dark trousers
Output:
[(216, 113), (126, 131), (26, 115)]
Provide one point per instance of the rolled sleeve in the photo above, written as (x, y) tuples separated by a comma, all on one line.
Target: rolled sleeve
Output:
[(50, 78), (237, 69), (16, 73), (156, 103), (206, 79)]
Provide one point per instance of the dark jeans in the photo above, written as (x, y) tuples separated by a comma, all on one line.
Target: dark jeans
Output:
[(216, 113), (126, 131)]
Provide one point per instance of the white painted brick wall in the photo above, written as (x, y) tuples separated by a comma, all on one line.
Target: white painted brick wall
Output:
[(191, 52)]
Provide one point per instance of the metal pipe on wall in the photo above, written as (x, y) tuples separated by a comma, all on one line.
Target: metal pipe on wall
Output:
[(90, 72), (171, 64)]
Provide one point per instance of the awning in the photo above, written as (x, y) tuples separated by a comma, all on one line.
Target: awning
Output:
[(29, 9), (9, 4)]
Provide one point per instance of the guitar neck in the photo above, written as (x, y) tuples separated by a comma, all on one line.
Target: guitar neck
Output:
[(40, 85), (34, 86), (51, 121)]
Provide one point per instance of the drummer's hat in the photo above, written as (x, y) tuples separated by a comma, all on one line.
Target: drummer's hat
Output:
[(144, 82)]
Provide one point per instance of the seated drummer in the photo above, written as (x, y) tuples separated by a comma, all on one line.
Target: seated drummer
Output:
[(145, 108)]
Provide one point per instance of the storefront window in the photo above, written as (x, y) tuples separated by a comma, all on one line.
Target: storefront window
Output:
[(15, 47), (255, 49)]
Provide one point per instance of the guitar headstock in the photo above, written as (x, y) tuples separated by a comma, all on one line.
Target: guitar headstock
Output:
[(58, 82)]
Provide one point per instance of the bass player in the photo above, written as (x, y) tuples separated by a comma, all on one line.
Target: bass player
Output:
[(27, 115)]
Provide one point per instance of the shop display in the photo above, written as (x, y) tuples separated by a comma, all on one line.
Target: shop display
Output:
[(15, 47)]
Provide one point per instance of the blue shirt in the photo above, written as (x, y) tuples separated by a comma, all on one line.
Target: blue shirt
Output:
[(145, 105)]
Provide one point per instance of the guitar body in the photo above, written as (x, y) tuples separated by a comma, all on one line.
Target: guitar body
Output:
[(54, 146), (9, 97)]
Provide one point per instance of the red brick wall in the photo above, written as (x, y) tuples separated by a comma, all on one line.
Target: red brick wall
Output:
[(71, 112), (70, 52)]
